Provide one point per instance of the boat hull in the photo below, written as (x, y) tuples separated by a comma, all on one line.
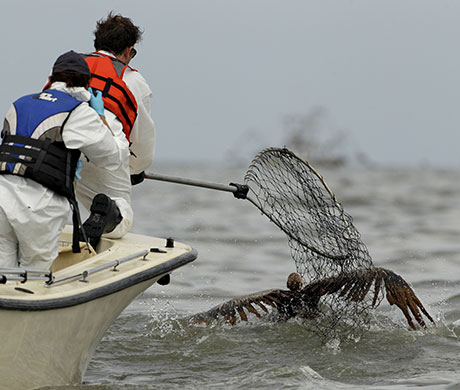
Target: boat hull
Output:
[(54, 347)]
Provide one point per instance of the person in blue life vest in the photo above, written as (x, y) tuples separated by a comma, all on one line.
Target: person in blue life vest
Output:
[(127, 98), (43, 136)]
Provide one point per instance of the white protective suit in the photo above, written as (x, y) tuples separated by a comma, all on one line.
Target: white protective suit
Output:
[(117, 184), (33, 216)]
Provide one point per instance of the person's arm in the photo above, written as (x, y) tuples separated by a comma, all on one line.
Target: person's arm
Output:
[(142, 135), (84, 130)]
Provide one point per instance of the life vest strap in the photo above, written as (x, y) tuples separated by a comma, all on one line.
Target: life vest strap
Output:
[(108, 84), (44, 161), (28, 150), (41, 155)]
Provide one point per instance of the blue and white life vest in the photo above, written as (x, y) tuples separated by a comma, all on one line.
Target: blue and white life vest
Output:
[(32, 145)]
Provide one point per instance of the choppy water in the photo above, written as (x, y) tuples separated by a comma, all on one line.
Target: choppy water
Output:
[(410, 222)]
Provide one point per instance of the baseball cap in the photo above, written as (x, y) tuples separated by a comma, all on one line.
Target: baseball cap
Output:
[(71, 62)]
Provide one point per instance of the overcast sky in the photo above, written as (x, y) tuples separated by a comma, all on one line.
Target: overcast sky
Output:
[(386, 71)]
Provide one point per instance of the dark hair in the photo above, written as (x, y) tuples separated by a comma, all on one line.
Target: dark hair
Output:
[(71, 79), (115, 34)]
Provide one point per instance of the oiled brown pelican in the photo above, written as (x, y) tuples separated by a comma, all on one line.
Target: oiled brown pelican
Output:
[(303, 302)]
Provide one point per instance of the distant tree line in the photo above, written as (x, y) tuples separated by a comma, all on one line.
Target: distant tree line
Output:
[(311, 135)]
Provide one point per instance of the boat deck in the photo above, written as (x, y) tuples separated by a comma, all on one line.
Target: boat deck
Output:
[(78, 277)]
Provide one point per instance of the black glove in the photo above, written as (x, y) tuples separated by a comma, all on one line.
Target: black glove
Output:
[(137, 178)]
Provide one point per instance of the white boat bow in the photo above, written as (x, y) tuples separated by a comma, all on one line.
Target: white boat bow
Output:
[(51, 322)]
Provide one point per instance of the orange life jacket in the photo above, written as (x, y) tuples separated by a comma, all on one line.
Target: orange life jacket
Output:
[(106, 76)]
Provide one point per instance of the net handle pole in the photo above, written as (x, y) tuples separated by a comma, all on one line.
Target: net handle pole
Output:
[(239, 191)]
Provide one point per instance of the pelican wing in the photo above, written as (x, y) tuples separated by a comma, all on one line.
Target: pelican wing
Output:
[(255, 303), (355, 286)]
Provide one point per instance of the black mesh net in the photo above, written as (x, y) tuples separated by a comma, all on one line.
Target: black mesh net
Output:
[(322, 238), (296, 198)]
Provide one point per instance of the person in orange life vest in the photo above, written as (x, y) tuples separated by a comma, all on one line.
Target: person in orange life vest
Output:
[(42, 138), (127, 98)]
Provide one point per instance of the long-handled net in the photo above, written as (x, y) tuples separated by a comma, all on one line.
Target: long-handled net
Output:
[(324, 243), (322, 238)]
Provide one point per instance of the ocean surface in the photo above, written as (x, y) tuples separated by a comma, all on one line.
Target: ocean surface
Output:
[(409, 219)]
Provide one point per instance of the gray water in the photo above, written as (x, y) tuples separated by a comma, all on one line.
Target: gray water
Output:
[(408, 218)]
